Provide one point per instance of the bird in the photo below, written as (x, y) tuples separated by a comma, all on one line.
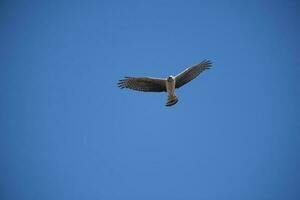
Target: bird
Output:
[(169, 84)]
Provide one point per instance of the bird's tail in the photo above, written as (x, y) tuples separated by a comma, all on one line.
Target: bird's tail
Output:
[(172, 100)]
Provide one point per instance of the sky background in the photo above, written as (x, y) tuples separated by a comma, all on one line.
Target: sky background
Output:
[(68, 132)]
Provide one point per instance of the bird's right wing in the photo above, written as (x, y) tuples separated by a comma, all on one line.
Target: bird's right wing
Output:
[(191, 73), (145, 84)]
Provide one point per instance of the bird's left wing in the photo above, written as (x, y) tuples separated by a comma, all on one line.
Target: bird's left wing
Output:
[(191, 73), (145, 84)]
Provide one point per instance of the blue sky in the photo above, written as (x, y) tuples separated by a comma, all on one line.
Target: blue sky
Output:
[(68, 132)]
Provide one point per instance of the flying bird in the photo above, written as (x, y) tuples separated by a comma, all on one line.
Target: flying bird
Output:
[(169, 84)]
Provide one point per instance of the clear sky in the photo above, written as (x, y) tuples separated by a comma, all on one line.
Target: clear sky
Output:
[(68, 131)]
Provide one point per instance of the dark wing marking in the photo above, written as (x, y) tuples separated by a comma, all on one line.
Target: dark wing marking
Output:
[(145, 84), (191, 73)]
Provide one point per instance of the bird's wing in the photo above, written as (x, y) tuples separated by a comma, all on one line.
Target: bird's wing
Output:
[(145, 84), (191, 73)]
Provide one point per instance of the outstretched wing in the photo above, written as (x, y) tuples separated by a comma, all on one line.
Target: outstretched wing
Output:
[(145, 84), (191, 73)]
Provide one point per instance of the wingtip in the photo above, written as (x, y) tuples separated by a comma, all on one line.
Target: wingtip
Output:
[(121, 86), (208, 63)]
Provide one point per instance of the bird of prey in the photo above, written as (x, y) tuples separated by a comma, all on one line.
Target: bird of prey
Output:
[(169, 84)]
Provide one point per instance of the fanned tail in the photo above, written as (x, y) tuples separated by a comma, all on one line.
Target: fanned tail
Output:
[(172, 100)]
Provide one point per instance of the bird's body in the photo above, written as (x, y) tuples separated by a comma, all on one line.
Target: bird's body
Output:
[(148, 84), (170, 85)]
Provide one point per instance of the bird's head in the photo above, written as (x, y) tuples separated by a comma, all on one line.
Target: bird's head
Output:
[(170, 79)]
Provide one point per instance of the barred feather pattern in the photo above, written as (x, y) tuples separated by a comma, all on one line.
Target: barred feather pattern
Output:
[(191, 73), (144, 84)]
